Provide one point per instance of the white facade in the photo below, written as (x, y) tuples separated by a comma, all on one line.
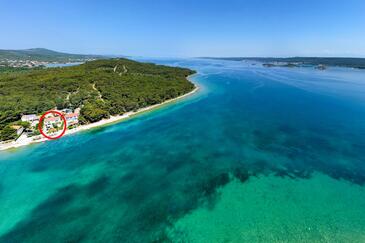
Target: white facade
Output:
[(29, 118)]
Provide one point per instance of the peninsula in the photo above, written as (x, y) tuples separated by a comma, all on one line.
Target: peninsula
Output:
[(91, 94)]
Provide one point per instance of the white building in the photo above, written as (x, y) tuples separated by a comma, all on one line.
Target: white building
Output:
[(72, 119), (52, 121), (32, 119)]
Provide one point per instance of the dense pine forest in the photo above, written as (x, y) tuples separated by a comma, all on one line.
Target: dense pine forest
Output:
[(101, 88)]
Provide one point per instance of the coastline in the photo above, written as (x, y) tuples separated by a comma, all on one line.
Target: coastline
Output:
[(113, 119)]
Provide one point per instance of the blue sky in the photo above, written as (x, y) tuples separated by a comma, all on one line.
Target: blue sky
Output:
[(187, 28)]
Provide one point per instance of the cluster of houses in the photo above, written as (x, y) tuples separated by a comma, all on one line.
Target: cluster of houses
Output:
[(51, 121), (30, 63), (21, 63)]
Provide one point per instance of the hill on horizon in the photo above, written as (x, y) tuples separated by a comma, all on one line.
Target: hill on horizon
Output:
[(43, 54)]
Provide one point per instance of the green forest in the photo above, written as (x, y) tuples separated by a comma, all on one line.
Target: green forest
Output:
[(101, 88)]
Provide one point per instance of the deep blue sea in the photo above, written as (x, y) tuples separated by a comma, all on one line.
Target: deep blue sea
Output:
[(257, 155)]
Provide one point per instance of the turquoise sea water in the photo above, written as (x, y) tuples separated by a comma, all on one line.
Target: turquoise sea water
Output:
[(257, 155)]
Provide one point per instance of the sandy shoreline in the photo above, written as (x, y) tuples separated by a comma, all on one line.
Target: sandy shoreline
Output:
[(23, 141)]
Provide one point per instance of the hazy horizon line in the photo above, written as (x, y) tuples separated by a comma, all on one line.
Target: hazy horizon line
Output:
[(183, 56)]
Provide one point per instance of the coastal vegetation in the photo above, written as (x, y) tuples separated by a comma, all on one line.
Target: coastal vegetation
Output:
[(101, 88), (5, 69)]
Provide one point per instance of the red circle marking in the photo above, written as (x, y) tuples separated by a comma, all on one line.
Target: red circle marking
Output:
[(42, 118)]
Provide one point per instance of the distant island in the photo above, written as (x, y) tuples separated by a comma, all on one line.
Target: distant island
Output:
[(318, 62), (85, 94), (13, 60)]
